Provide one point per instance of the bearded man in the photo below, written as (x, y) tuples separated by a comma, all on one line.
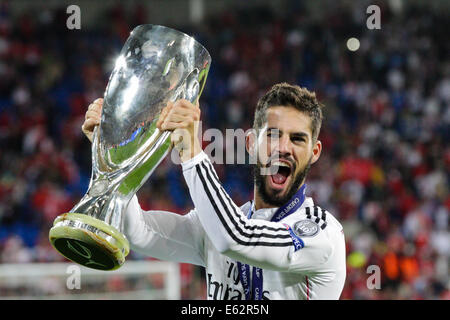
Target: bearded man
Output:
[(279, 245)]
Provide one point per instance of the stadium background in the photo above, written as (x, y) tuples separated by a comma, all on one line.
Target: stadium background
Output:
[(384, 171)]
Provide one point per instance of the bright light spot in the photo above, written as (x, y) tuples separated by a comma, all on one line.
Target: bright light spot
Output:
[(353, 44), (120, 62), (128, 96)]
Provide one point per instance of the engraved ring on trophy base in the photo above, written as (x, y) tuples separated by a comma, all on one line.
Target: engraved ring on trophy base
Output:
[(89, 241)]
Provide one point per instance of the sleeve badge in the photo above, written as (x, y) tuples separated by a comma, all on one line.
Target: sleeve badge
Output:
[(306, 228)]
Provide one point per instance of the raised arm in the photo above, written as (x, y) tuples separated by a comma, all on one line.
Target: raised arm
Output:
[(265, 244), (269, 245)]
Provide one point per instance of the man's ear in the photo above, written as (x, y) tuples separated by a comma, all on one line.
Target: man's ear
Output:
[(317, 149), (250, 142)]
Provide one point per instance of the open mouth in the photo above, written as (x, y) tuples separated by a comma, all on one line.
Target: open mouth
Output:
[(282, 171)]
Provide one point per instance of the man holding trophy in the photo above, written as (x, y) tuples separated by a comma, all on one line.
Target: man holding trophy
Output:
[(277, 246)]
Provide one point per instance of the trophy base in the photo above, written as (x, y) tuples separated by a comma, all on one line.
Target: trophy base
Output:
[(89, 241)]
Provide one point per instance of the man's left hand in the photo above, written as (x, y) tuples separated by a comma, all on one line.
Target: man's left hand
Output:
[(182, 117)]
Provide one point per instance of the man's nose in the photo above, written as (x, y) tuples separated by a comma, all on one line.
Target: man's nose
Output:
[(283, 145)]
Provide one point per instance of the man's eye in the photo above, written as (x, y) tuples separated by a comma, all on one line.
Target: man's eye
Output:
[(298, 139)]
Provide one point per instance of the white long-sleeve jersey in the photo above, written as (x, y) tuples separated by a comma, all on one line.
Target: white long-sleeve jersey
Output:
[(302, 256)]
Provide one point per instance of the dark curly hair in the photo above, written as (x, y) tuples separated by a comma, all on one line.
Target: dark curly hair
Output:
[(284, 94)]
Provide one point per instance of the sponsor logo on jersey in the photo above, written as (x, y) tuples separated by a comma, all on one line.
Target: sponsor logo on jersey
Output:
[(230, 287)]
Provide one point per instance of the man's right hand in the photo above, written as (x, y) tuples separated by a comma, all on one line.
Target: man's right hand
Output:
[(92, 118)]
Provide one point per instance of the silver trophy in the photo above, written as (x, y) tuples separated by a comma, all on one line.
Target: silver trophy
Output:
[(156, 65)]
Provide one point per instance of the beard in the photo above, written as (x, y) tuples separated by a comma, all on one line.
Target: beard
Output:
[(276, 198)]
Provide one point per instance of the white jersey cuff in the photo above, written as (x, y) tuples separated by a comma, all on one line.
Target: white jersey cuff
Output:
[(194, 161)]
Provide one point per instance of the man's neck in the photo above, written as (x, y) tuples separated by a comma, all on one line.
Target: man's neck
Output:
[(259, 202)]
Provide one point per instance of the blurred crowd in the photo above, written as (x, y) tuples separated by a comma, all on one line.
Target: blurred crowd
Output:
[(383, 172)]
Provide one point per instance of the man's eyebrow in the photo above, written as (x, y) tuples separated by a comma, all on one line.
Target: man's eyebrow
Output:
[(300, 135)]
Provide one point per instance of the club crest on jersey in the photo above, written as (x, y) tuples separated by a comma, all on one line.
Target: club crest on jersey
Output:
[(306, 228)]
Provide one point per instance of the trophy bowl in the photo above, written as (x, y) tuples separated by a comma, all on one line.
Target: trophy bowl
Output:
[(156, 65)]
